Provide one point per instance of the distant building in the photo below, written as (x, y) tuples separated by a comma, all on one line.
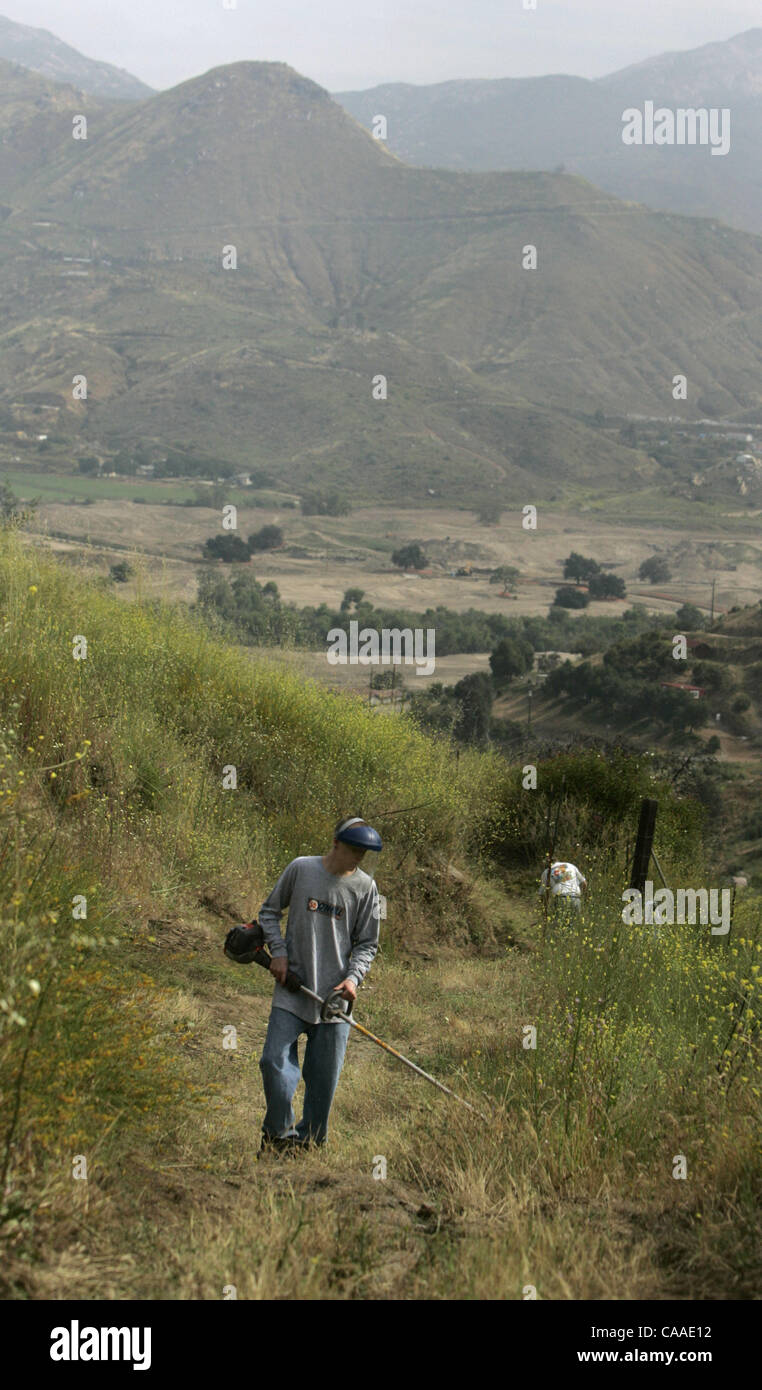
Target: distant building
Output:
[(696, 691)]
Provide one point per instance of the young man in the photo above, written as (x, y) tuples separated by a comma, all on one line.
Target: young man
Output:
[(566, 887), (332, 938)]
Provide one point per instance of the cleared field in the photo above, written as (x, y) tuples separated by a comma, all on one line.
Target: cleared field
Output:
[(52, 486), (354, 551), (314, 666)]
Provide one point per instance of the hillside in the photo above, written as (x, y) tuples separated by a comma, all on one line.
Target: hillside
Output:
[(732, 68), (43, 53), (350, 265), (636, 692), (116, 1036), (35, 123), (541, 123)]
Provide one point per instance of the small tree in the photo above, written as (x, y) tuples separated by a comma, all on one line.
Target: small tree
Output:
[(512, 657), (655, 570), (268, 538), (410, 557), (474, 695), (351, 597), (580, 568), (226, 547), (606, 586), (689, 618), (505, 575), (566, 597)]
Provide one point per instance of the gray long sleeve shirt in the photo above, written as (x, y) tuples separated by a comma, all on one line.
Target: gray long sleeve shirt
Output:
[(332, 932)]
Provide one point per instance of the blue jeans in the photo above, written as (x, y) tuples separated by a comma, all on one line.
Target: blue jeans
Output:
[(279, 1064)]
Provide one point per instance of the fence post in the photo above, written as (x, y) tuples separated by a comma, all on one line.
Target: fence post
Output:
[(644, 844)]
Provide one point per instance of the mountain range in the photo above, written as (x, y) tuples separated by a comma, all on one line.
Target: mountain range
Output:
[(545, 122), (350, 266), (48, 56), (539, 123)]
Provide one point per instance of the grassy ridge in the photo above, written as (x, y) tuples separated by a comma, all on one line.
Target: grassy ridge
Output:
[(114, 1027)]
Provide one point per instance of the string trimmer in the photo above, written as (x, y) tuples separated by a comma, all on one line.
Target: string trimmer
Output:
[(246, 944)]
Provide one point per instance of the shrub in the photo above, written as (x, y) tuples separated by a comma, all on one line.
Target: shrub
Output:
[(268, 538), (121, 572), (655, 570), (226, 547), (689, 618), (330, 503), (606, 586), (410, 557), (566, 597), (511, 657), (505, 575)]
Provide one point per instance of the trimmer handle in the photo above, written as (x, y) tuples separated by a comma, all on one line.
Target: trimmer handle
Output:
[(336, 1006)]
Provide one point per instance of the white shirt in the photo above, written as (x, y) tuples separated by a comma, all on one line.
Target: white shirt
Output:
[(565, 880)]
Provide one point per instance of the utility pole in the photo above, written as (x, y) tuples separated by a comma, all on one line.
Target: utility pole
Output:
[(714, 585), (529, 709)]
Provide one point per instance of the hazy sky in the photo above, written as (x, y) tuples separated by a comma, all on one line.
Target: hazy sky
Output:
[(357, 43)]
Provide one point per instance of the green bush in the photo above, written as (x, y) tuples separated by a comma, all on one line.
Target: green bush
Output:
[(567, 597), (602, 796)]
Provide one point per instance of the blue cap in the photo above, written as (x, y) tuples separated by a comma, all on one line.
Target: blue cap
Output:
[(354, 831)]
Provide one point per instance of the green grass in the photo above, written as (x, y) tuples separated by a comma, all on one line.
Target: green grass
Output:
[(52, 487)]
